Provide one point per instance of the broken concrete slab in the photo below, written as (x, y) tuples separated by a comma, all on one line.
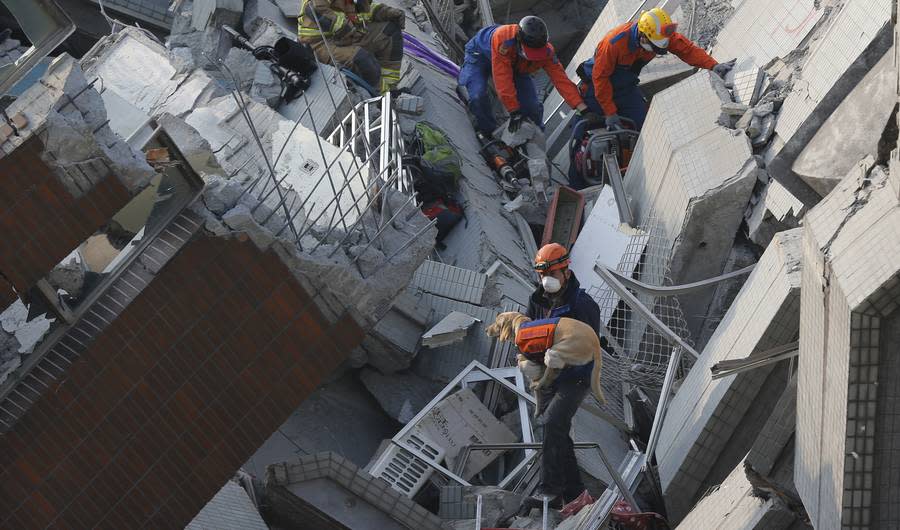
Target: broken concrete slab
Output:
[(759, 31), (696, 178), (323, 105), (289, 8), (854, 39), (230, 509), (699, 429), (77, 140), (402, 395), (444, 363), (852, 131), (849, 295), (347, 421), (459, 420), (394, 341), (450, 282), (734, 504), (160, 87), (450, 330), (775, 209), (263, 22)]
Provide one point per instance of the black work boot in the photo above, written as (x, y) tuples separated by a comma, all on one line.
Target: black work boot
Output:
[(537, 502)]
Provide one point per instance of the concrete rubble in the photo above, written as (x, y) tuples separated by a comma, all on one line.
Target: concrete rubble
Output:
[(789, 164), (711, 421), (451, 329)]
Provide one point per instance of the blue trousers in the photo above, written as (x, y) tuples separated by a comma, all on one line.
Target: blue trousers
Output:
[(626, 94), (475, 76)]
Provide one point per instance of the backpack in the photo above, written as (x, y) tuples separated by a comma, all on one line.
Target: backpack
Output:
[(436, 169)]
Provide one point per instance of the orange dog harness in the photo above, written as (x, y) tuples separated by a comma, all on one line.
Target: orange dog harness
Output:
[(534, 338)]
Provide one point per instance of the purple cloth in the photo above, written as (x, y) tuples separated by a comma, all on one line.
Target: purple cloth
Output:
[(416, 48)]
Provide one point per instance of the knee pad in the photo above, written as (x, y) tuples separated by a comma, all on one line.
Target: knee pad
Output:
[(368, 67)]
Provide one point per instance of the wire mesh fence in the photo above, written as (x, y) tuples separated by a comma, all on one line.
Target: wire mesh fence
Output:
[(639, 354)]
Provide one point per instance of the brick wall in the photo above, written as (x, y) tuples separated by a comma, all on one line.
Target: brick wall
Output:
[(173, 396), (41, 221)]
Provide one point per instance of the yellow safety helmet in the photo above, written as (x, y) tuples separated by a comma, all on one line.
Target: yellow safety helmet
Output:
[(657, 26)]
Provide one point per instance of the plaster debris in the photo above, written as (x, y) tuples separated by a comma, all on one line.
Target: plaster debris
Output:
[(28, 333), (451, 329)]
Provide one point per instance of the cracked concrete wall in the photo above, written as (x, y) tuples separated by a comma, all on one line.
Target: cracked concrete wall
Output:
[(850, 267), (734, 505), (696, 178), (65, 173), (835, 148), (168, 87), (705, 413), (843, 49)]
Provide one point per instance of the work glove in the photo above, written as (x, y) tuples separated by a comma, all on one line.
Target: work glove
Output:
[(515, 121), (592, 118), (614, 122), (722, 69)]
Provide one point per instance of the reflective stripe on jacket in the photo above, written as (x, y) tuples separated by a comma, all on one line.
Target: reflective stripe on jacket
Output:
[(334, 17)]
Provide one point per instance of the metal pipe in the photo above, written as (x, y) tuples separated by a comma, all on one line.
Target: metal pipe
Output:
[(365, 211), (405, 245), (383, 228), (613, 282), (658, 418)]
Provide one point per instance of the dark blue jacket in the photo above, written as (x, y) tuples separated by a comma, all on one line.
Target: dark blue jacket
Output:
[(574, 303)]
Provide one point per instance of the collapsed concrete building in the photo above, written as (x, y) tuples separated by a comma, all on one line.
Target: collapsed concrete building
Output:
[(205, 284)]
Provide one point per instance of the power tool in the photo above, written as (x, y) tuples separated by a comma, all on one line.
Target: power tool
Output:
[(499, 157)]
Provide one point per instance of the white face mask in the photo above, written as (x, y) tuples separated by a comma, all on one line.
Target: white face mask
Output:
[(551, 284), (646, 45)]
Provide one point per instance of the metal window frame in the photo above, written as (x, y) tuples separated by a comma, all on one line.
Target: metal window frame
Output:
[(46, 26), (463, 379)]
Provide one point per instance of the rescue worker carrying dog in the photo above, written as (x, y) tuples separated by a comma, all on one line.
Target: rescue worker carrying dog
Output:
[(610, 78), (361, 35), (510, 54), (560, 295)]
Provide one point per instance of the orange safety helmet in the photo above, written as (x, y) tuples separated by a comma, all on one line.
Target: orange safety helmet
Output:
[(551, 257)]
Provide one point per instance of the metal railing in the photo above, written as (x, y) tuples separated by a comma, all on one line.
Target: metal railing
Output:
[(371, 132)]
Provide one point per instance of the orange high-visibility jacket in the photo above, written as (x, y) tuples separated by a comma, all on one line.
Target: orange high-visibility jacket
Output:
[(621, 47), (506, 63)]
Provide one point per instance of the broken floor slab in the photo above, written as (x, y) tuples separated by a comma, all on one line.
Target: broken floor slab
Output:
[(759, 31), (230, 509), (736, 504), (852, 40), (347, 421), (700, 431), (847, 388), (401, 395), (451, 329), (695, 179), (852, 131), (773, 209)]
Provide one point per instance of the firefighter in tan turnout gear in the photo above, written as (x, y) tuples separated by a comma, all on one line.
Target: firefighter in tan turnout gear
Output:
[(364, 36)]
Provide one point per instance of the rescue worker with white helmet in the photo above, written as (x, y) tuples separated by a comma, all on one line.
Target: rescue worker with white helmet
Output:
[(610, 78)]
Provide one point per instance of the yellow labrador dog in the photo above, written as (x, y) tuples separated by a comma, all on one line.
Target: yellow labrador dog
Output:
[(573, 343)]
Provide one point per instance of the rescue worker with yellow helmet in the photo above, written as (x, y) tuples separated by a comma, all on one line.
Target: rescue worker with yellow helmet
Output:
[(610, 78), (560, 295)]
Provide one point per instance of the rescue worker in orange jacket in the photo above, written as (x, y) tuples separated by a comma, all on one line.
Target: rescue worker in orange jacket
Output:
[(611, 79), (510, 54)]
